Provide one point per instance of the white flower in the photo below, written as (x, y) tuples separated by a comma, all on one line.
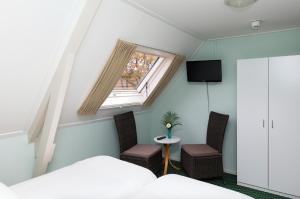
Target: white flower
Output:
[(168, 125)]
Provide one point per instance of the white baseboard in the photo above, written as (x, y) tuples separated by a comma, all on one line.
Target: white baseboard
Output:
[(80, 123), (268, 190), (89, 121), (230, 171), (4, 135)]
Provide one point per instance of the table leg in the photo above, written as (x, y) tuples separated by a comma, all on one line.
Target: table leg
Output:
[(167, 157), (172, 165)]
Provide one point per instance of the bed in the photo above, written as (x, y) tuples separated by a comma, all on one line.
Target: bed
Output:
[(94, 178), (178, 187), (109, 178)]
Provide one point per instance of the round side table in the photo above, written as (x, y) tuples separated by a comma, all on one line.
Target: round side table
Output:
[(167, 142)]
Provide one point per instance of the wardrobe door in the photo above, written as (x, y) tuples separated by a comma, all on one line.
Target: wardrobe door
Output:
[(284, 158), (252, 122)]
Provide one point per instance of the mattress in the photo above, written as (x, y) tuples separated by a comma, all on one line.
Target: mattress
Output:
[(179, 187), (95, 178)]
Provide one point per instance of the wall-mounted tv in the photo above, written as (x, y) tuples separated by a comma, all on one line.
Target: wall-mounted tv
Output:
[(204, 71)]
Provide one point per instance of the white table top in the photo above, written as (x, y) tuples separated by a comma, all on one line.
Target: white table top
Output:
[(166, 140)]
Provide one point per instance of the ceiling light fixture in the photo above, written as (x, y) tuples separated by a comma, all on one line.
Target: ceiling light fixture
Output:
[(239, 3)]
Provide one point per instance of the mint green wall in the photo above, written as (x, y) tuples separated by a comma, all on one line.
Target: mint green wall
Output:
[(189, 99), (73, 143), (16, 159), (100, 138)]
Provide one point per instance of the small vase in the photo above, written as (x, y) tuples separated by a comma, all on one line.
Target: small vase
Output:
[(169, 135)]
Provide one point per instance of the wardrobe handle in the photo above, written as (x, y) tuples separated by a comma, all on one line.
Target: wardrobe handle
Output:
[(263, 124), (272, 124)]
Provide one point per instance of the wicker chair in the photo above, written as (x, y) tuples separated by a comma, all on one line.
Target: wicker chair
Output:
[(145, 155), (202, 161)]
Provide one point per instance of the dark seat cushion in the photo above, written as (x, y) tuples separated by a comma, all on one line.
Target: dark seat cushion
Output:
[(142, 150), (199, 150)]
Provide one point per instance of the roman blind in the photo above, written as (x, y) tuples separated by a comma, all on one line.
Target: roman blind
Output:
[(108, 78)]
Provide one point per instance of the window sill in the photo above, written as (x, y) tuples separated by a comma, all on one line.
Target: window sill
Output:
[(118, 106)]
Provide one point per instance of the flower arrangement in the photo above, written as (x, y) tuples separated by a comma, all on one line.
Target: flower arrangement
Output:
[(170, 120)]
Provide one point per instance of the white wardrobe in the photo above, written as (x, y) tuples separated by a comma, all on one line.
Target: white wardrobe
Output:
[(268, 124)]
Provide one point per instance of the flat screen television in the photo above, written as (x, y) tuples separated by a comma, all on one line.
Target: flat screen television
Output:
[(204, 71)]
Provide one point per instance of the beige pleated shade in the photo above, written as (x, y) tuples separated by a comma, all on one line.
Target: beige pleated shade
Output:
[(177, 61), (108, 78)]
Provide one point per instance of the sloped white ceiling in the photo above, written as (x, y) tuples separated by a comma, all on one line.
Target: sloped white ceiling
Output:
[(31, 34), (212, 19), (116, 19)]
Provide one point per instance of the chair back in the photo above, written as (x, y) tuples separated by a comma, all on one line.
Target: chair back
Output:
[(126, 128), (216, 129)]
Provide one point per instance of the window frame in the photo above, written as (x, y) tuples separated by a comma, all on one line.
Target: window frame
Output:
[(150, 74), (147, 85)]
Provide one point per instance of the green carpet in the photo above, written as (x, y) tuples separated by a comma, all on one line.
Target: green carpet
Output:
[(230, 182)]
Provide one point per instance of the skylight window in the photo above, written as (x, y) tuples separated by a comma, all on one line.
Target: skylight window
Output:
[(133, 76), (136, 70), (140, 76)]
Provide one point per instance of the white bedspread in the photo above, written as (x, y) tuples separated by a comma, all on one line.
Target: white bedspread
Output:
[(179, 187), (104, 177), (101, 177)]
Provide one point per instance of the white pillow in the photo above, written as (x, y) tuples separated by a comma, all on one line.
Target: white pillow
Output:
[(6, 193)]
